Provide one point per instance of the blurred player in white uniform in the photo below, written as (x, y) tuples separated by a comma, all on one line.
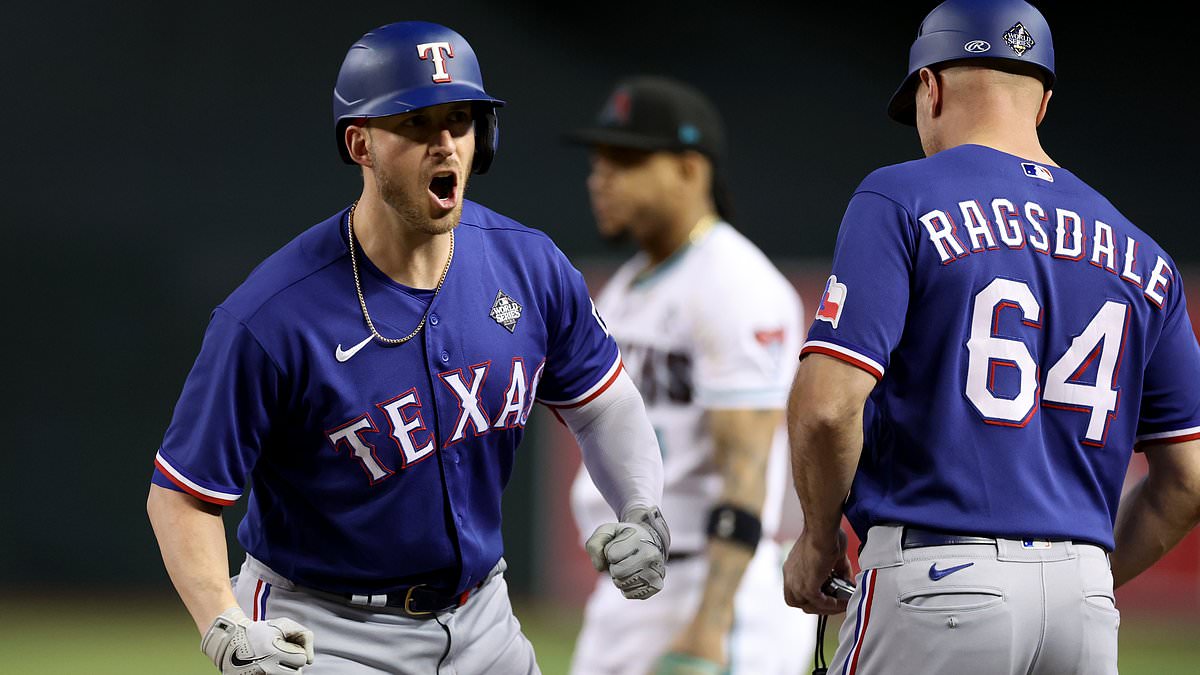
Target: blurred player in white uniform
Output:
[(709, 330)]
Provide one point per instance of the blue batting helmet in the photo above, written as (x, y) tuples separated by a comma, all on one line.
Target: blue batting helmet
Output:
[(1011, 31), (408, 65)]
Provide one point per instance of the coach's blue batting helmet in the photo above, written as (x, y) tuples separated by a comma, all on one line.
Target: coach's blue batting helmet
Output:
[(408, 65), (1010, 31)]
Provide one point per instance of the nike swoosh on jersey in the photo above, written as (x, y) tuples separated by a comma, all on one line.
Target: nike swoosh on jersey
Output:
[(935, 573), (343, 355)]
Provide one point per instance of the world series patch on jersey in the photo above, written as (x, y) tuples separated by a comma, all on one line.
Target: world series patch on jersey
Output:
[(714, 326), (1010, 313), (372, 466)]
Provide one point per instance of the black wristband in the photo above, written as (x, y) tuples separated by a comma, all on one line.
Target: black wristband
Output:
[(733, 524)]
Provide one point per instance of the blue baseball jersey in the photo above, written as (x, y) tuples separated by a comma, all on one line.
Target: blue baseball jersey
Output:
[(1025, 336), (374, 467)]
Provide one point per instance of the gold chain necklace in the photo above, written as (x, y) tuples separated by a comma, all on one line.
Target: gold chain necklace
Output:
[(362, 301), (697, 233)]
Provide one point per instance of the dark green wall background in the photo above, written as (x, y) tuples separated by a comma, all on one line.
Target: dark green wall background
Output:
[(155, 153)]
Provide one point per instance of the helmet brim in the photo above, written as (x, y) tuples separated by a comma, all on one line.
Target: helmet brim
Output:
[(902, 107), (402, 102)]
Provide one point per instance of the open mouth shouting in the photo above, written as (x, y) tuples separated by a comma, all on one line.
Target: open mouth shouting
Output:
[(443, 189)]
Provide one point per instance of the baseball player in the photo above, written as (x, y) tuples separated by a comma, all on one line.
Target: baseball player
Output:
[(706, 325), (994, 342), (371, 380)]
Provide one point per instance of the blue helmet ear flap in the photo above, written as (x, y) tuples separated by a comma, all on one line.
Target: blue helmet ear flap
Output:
[(487, 138)]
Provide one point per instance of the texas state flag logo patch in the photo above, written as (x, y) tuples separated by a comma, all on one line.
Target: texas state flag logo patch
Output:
[(833, 301)]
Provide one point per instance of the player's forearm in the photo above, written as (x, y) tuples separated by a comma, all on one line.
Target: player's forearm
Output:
[(727, 563), (742, 441), (1158, 512), (619, 447), (825, 417), (1139, 536), (191, 537), (824, 456)]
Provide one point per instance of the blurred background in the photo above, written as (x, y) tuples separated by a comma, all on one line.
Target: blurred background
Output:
[(156, 152)]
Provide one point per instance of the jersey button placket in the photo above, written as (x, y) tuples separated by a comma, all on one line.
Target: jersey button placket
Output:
[(434, 320), (445, 356)]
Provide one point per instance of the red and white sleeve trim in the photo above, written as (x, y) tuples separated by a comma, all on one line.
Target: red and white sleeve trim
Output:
[(191, 487), (842, 353), (1167, 437), (595, 390)]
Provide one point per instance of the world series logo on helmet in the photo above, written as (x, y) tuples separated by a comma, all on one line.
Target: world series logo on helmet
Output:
[(1019, 39)]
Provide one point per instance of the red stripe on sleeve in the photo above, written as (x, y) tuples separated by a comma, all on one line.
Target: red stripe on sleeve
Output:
[(594, 394), (188, 489), (1169, 440), (844, 357)]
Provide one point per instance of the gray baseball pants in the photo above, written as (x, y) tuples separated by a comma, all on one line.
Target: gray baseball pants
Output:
[(1013, 607), (480, 637)]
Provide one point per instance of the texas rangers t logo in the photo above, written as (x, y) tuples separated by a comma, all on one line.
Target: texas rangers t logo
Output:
[(440, 51), (833, 300)]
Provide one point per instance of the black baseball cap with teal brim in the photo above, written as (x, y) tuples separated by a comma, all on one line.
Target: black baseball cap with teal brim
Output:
[(656, 113)]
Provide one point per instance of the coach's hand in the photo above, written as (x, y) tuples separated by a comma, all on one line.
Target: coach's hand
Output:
[(240, 646), (808, 566), (634, 553)]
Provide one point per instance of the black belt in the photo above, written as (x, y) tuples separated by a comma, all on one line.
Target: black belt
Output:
[(420, 601), (423, 601), (917, 538)]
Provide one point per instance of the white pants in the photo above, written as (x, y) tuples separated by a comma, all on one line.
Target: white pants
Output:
[(481, 637), (627, 637), (1013, 607)]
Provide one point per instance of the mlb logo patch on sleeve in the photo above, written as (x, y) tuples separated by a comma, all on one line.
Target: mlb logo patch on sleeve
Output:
[(1037, 171), (833, 301)]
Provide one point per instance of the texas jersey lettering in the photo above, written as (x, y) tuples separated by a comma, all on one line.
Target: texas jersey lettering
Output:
[(1067, 304), (381, 466)]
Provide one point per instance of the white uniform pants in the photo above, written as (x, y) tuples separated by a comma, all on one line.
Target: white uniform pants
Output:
[(1013, 607), (481, 637)]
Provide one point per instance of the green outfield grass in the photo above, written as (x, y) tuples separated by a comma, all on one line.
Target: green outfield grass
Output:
[(86, 636)]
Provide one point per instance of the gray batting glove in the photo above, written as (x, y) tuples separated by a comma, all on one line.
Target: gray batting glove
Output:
[(634, 553), (651, 518), (239, 646)]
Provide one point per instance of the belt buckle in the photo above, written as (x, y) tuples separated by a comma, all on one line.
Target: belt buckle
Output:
[(408, 602)]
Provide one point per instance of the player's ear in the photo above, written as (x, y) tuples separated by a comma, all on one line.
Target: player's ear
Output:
[(694, 166), (1045, 104), (933, 92), (358, 142)]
